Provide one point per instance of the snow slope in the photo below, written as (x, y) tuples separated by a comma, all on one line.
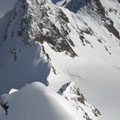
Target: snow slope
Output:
[(36, 101)]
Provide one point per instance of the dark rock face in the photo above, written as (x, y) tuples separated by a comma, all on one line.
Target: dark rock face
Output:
[(57, 38), (4, 104), (99, 8), (5, 107)]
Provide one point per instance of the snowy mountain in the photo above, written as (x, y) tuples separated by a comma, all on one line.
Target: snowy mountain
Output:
[(45, 42), (36, 101)]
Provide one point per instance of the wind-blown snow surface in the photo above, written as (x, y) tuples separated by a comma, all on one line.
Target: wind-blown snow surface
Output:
[(82, 47), (36, 101)]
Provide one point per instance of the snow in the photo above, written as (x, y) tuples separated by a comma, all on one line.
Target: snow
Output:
[(72, 93), (12, 91), (95, 71), (36, 101), (36, 69)]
